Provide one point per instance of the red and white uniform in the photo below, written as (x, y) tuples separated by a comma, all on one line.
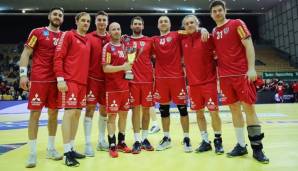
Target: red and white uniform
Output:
[(72, 58), (117, 89), (43, 90), (96, 87), (170, 81), (141, 87), (232, 62), (200, 71)]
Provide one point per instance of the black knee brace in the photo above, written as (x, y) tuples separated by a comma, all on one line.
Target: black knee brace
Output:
[(164, 110), (182, 110)]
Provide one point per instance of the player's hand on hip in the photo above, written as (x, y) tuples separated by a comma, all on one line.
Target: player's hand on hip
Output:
[(251, 75), (62, 87), (127, 66), (24, 82), (205, 35)]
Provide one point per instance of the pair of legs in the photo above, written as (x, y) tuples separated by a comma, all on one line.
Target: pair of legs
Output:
[(254, 131), (139, 119), (216, 125), (184, 120), (33, 131), (121, 146), (102, 124)]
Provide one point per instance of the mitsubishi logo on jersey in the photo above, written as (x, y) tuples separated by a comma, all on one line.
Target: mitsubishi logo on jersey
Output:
[(211, 105), (127, 105), (83, 102), (36, 100), (149, 98), (90, 96), (182, 95), (72, 100), (121, 54), (156, 95), (114, 106), (132, 99), (192, 103)]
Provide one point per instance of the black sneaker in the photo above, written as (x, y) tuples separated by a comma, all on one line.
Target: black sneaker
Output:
[(146, 145), (136, 148), (259, 155), (77, 155), (204, 146), (218, 146), (237, 151), (70, 160)]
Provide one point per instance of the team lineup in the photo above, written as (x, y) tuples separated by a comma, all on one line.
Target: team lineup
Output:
[(74, 69)]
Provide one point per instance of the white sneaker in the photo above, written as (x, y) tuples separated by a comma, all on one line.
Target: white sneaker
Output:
[(31, 162), (102, 146), (164, 144), (89, 150), (54, 155), (154, 129), (187, 145)]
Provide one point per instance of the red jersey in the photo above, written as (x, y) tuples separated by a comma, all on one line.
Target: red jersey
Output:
[(114, 55), (167, 50), (231, 53), (72, 57), (198, 59), (295, 87), (142, 67), (43, 42), (97, 43), (280, 90)]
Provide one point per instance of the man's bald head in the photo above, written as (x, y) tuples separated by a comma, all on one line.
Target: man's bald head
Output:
[(115, 31)]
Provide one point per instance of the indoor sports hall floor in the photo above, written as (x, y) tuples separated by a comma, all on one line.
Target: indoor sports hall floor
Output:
[(280, 124)]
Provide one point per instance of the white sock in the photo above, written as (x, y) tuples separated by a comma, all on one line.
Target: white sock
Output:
[(87, 129), (51, 143), (186, 134), (154, 123), (204, 135), (32, 146), (102, 124), (67, 147), (144, 134), (137, 137), (72, 144), (166, 134), (240, 136)]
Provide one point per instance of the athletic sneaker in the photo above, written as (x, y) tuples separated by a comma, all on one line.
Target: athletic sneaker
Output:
[(204, 146), (218, 146), (54, 155), (146, 145), (102, 146), (70, 159), (31, 162), (259, 155), (154, 129), (113, 152), (164, 144), (77, 155), (136, 148), (237, 151), (89, 150), (187, 145), (123, 148)]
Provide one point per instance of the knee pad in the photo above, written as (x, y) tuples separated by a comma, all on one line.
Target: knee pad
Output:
[(164, 111), (182, 110)]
